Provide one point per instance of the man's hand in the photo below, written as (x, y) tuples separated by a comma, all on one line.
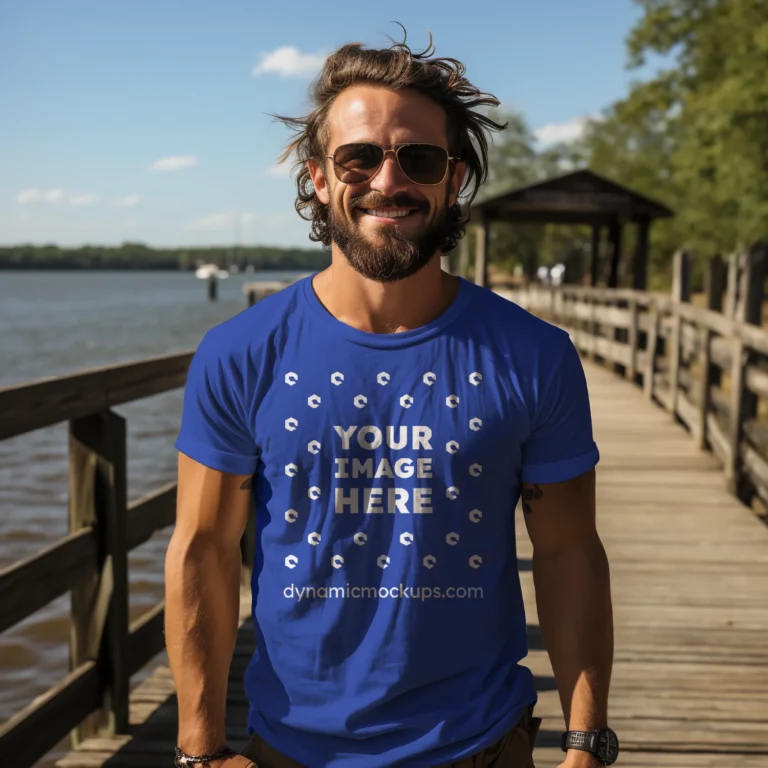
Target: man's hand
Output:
[(238, 761), (579, 759)]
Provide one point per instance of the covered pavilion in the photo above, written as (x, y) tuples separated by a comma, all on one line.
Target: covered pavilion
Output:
[(580, 197)]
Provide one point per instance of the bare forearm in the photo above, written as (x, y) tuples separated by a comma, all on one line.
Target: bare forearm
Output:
[(201, 618), (574, 605)]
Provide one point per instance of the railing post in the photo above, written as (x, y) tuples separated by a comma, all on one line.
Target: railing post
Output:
[(654, 317), (482, 244), (631, 370), (99, 631), (463, 265), (732, 288), (749, 309), (681, 293), (715, 289)]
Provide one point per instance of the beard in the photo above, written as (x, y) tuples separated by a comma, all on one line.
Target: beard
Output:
[(393, 256)]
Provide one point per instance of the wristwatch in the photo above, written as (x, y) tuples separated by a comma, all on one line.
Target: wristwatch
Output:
[(602, 743)]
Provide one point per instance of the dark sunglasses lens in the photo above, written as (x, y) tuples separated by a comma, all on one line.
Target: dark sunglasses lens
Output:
[(423, 163), (356, 163)]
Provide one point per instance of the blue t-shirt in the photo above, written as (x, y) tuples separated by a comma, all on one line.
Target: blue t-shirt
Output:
[(387, 605)]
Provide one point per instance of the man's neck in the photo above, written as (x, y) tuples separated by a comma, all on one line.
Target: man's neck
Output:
[(385, 307)]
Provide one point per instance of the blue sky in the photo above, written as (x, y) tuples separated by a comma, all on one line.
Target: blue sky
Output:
[(146, 120)]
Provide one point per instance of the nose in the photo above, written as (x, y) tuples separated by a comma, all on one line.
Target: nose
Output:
[(390, 179)]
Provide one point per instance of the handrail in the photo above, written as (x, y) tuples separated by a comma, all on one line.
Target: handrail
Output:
[(707, 366), (53, 400), (106, 650)]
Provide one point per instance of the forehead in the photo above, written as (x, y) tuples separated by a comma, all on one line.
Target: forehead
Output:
[(369, 113)]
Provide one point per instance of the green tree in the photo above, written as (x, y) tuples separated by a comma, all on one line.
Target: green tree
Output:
[(696, 134)]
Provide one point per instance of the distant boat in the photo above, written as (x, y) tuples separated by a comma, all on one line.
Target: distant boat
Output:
[(206, 271)]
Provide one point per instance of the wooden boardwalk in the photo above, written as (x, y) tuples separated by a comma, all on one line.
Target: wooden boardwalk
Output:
[(689, 569)]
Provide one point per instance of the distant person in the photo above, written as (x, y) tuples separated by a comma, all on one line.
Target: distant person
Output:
[(381, 420)]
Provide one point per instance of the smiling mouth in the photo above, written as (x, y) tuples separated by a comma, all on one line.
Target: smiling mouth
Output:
[(389, 213)]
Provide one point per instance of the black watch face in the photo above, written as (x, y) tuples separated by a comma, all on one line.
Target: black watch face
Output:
[(607, 747)]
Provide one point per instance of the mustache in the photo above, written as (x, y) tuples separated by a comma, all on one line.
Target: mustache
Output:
[(374, 201)]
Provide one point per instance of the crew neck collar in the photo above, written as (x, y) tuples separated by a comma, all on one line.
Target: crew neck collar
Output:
[(335, 327)]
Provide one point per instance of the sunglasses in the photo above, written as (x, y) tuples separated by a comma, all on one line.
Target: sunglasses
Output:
[(425, 164)]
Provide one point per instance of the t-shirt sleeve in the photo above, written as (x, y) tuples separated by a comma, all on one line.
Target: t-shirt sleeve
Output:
[(214, 424), (561, 444)]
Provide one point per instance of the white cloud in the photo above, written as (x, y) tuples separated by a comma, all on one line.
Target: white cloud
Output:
[(86, 199), (288, 61), (174, 162), (128, 201), (227, 220), (280, 171), (213, 221), (557, 132), (40, 196)]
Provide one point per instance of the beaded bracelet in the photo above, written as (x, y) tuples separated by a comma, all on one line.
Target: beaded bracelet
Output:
[(182, 758)]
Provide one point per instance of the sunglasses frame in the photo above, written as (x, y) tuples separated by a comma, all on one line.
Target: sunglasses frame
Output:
[(395, 150)]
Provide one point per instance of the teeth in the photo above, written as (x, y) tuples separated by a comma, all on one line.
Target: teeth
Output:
[(388, 214)]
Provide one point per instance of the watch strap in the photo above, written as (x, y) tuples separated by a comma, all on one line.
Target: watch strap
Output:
[(583, 740)]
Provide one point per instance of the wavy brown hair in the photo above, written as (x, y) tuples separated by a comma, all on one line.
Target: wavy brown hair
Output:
[(396, 67)]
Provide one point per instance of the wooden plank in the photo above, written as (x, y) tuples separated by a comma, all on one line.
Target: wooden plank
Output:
[(84, 638), (661, 392), (41, 725), (756, 469), (150, 513), (709, 374), (721, 403), (632, 341), (612, 316), (756, 465), (668, 686), (688, 412), (689, 340), (611, 350), (146, 638), (681, 293), (744, 402), (721, 352), (718, 441), (651, 349), (112, 517), (31, 584), (757, 434), (482, 240), (154, 710), (26, 407), (756, 380), (100, 604)]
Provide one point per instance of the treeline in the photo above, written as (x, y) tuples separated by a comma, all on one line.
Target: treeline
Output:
[(694, 137), (141, 257)]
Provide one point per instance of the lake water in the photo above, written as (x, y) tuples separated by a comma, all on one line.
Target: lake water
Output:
[(52, 323)]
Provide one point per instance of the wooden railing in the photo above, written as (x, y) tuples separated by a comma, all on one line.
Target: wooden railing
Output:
[(706, 365), (92, 561)]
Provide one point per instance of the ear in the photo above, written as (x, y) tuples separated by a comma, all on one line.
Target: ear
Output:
[(456, 180), (319, 182)]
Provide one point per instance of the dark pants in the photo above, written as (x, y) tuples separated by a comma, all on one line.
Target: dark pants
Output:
[(513, 750)]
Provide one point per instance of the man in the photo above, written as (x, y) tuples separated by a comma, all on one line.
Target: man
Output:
[(381, 420)]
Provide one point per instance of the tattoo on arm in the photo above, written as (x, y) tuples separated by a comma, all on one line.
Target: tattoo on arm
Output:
[(531, 494), (247, 484)]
